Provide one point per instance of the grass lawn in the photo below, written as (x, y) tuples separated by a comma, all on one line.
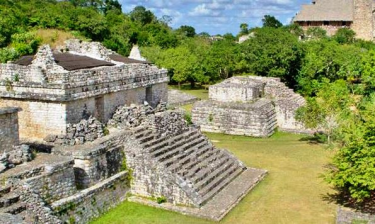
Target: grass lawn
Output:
[(293, 192), (199, 91)]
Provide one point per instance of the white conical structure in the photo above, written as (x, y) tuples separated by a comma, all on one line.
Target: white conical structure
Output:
[(135, 53)]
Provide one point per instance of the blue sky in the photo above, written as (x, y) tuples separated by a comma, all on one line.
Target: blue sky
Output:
[(218, 16)]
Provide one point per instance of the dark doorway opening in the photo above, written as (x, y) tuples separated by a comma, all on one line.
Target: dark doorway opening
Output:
[(99, 108), (149, 95)]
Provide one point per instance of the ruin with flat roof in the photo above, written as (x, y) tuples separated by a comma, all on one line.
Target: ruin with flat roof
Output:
[(62, 86), (250, 106)]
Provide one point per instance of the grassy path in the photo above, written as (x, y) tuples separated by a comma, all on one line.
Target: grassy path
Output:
[(293, 192)]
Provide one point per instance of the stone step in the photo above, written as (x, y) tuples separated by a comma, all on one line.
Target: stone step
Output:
[(208, 174), (168, 141), (174, 144), (185, 150), (138, 129), (9, 199), (219, 182), (5, 190), (180, 148), (187, 156), (146, 138), (155, 141), (194, 159), (14, 208), (194, 168), (144, 133)]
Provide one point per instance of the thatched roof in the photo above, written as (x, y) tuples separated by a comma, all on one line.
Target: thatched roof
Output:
[(326, 10)]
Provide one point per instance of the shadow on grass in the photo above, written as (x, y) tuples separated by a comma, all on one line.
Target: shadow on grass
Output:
[(317, 138), (343, 198)]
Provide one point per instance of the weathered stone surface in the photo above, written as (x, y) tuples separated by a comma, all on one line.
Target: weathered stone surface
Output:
[(257, 119), (349, 216), (77, 134), (94, 201), (52, 97), (252, 106), (9, 131), (178, 98), (222, 203)]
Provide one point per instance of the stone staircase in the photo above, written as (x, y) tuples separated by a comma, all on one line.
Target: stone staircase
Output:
[(10, 201), (190, 157)]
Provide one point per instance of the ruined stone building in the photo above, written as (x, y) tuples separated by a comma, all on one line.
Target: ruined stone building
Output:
[(71, 95), (251, 106), (332, 15), (61, 86)]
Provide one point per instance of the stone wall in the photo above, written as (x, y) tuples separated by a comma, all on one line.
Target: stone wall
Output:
[(98, 160), (37, 118), (8, 129), (55, 183), (94, 201), (258, 119), (363, 21), (228, 91)]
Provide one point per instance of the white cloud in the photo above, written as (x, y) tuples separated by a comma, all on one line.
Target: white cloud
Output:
[(219, 16)]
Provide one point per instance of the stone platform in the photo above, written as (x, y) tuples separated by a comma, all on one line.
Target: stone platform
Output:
[(221, 204), (177, 98)]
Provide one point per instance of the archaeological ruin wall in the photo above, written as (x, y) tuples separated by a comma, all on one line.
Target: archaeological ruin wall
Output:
[(53, 92), (251, 106), (9, 131)]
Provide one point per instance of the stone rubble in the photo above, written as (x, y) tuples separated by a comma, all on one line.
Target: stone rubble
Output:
[(77, 134), (134, 115), (20, 154)]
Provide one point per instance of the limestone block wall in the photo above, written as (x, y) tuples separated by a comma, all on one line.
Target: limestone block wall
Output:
[(90, 203), (55, 183), (94, 166), (258, 119), (96, 161), (9, 134), (37, 118), (363, 22), (157, 93), (234, 93)]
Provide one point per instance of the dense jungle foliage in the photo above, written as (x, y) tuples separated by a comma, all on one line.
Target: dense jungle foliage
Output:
[(335, 74)]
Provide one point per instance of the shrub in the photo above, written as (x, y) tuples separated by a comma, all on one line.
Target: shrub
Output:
[(161, 200)]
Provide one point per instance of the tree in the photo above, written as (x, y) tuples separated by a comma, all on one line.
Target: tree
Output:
[(271, 21), (141, 15), (368, 71), (316, 33), (353, 172), (344, 36), (272, 52), (187, 31), (328, 109), (244, 29), (327, 59)]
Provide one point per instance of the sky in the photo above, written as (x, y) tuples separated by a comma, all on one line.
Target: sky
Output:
[(218, 16)]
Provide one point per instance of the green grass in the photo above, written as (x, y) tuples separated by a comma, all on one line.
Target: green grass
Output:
[(200, 91), (293, 192)]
